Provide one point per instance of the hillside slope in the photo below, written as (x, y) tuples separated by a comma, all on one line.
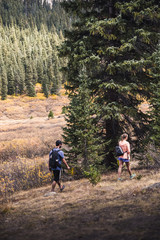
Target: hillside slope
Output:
[(24, 124), (127, 210)]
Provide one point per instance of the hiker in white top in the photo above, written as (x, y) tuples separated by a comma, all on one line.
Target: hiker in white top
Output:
[(124, 144)]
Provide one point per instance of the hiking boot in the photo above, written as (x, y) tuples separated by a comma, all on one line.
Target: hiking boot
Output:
[(61, 189), (132, 176)]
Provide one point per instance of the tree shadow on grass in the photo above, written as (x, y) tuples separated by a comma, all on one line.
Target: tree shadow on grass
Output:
[(84, 221)]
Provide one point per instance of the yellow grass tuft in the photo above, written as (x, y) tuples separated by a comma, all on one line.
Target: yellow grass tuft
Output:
[(38, 88), (40, 96), (53, 96)]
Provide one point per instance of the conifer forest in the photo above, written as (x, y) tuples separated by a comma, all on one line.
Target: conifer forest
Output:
[(30, 32)]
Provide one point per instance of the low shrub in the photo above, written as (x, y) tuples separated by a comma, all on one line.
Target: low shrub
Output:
[(64, 110), (51, 114), (93, 174), (29, 148), (22, 175)]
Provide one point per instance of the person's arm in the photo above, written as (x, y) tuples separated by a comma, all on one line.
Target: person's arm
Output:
[(128, 150), (65, 163)]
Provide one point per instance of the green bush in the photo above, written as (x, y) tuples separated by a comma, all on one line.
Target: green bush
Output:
[(51, 114), (64, 110), (93, 174)]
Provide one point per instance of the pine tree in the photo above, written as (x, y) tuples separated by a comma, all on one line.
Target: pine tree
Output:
[(154, 111), (10, 77), (57, 79), (45, 85), (40, 71), (116, 41), (4, 83), (29, 81), (81, 131), (21, 83), (155, 126), (35, 74)]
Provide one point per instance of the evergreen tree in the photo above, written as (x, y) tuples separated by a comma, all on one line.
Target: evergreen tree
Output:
[(116, 41), (45, 86), (57, 81), (29, 81), (10, 77), (40, 72), (81, 132), (21, 80), (154, 103), (35, 75), (4, 83)]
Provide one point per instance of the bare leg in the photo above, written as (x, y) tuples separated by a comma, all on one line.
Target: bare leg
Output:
[(128, 168), (120, 168), (59, 184), (53, 186)]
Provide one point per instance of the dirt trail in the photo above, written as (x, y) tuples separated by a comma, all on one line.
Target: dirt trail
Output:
[(111, 210)]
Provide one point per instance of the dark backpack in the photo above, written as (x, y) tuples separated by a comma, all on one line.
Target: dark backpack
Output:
[(53, 159), (119, 151)]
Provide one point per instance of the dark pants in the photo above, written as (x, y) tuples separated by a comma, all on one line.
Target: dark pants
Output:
[(57, 174)]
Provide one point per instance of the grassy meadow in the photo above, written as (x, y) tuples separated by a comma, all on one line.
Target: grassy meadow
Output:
[(26, 137)]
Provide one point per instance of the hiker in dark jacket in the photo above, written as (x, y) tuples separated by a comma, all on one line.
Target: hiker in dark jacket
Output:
[(57, 154)]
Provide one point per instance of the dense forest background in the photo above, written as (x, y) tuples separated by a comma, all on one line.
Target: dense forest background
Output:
[(30, 32)]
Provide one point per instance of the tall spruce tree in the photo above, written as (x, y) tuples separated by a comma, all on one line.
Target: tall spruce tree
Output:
[(45, 85), (116, 41), (154, 103), (4, 83), (10, 77), (29, 81), (155, 114), (81, 132), (21, 79)]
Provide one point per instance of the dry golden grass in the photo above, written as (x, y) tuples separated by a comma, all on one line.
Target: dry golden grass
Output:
[(29, 138), (110, 210), (25, 130), (23, 107), (23, 174)]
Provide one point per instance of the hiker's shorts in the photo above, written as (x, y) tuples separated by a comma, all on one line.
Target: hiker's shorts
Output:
[(123, 159), (57, 175)]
